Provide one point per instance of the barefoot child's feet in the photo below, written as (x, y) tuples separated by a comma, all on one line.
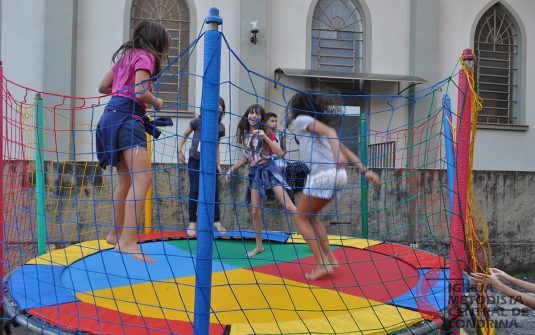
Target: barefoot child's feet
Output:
[(319, 271), (192, 229), (255, 251), (222, 230), (135, 252), (111, 239), (331, 260)]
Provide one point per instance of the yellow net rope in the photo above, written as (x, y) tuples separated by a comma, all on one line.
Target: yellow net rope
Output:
[(476, 235)]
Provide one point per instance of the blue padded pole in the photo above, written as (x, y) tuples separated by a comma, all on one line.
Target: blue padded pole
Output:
[(208, 169), (450, 159)]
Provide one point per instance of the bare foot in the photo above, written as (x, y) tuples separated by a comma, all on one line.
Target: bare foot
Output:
[(111, 239), (255, 251), (192, 229), (222, 230), (319, 271), (134, 251), (332, 261)]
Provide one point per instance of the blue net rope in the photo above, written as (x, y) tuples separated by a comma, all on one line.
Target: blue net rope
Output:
[(390, 278)]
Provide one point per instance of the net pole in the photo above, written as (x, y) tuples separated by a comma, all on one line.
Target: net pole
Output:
[(412, 180), (40, 174), (2, 238), (457, 249), (450, 160), (364, 182), (208, 171), (148, 199)]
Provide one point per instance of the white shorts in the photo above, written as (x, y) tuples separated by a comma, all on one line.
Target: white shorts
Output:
[(326, 184)]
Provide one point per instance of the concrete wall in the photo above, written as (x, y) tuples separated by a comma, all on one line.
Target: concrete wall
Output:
[(506, 201), (79, 208)]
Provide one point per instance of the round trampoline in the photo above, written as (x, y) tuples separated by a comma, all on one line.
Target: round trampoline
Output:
[(378, 288)]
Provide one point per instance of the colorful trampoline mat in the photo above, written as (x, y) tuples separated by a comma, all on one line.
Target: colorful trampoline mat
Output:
[(378, 287)]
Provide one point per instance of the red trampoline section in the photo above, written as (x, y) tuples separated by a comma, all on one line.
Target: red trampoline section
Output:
[(84, 317), (361, 272), (419, 259)]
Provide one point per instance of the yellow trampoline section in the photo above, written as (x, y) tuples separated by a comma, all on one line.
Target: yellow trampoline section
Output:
[(242, 298)]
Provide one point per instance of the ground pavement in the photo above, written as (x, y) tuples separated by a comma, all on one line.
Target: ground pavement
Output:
[(509, 315)]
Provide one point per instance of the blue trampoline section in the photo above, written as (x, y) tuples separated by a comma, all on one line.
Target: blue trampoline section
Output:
[(430, 295), (33, 286), (111, 269), (250, 234)]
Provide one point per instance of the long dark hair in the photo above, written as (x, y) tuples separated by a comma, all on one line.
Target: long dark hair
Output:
[(222, 104), (324, 106), (221, 113), (150, 36), (244, 127)]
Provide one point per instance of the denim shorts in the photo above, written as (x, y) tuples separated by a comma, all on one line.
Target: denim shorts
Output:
[(253, 184), (279, 162), (131, 134)]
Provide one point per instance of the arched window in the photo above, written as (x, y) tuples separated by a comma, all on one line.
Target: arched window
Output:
[(337, 36), (496, 69), (175, 17)]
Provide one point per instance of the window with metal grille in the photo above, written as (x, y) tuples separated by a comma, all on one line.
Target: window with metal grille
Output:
[(337, 36), (496, 68), (382, 155), (175, 17)]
